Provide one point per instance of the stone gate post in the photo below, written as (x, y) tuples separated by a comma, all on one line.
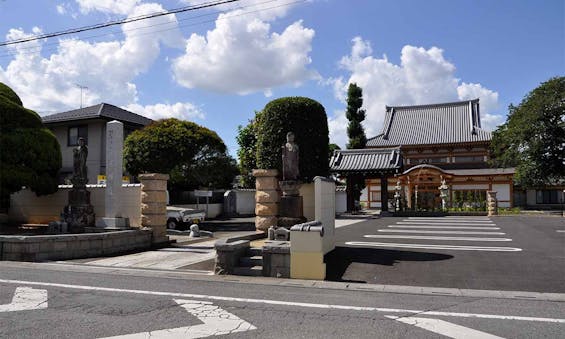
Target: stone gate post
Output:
[(154, 205), (267, 198)]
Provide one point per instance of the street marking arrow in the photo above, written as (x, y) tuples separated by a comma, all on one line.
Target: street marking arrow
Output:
[(26, 298), (445, 328), (216, 321)]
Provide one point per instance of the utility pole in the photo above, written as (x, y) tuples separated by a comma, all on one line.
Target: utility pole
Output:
[(81, 88)]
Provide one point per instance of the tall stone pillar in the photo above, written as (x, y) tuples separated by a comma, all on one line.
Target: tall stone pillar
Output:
[(114, 171), (154, 205), (492, 203), (267, 198)]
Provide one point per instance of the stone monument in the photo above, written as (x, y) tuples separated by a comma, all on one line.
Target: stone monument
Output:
[(290, 207), (79, 213), (114, 172)]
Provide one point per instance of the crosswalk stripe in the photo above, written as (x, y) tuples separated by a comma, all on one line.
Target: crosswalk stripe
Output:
[(433, 247), (440, 222), (431, 237), (441, 232), (446, 227)]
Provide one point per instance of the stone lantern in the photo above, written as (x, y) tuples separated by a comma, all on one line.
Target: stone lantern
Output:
[(443, 189)]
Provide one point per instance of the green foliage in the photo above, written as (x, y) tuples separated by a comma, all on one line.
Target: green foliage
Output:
[(29, 153), (533, 137), (182, 149), (355, 115), (247, 152), (331, 148), (307, 119)]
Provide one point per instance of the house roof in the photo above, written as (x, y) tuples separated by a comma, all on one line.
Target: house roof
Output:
[(102, 110), (366, 160), (445, 123)]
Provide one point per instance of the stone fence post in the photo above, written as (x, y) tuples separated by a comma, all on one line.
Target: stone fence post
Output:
[(267, 198), (154, 205), (492, 203)]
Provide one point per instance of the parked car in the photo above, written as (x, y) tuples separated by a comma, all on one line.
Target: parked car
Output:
[(180, 217)]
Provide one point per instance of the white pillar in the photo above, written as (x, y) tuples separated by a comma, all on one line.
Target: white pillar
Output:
[(114, 172)]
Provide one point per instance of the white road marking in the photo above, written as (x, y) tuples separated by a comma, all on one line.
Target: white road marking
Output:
[(444, 222), (447, 227), (26, 298), (431, 237), (451, 217), (286, 303), (433, 247), (445, 328), (216, 321), (561, 231), (441, 232)]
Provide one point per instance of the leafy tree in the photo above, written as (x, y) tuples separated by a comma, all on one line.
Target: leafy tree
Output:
[(307, 119), (356, 134), (247, 152), (192, 155), (355, 115), (331, 148), (533, 136), (29, 152)]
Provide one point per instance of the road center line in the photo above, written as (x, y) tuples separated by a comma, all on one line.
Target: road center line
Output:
[(431, 237), (286, 303), (441, 232), (433, 247), (447, 227)]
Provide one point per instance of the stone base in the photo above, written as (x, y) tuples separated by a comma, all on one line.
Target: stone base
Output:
[(291, 206), (263, 223), (290, 187), (113, 223), (288, 222), (78, 217)]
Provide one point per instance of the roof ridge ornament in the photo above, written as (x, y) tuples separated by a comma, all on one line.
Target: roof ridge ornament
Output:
[(385, 136)]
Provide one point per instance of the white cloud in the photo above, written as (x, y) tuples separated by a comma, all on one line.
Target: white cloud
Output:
[(108, 68), (108, 6), (423, 76), (61, 9), (179, 110), (241, 55), (337, 125)]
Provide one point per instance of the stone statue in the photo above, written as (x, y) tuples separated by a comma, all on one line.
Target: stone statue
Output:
[(79, 161), (290, 154)]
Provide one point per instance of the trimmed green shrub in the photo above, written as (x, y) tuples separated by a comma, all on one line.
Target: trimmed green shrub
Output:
[(29, 152), (307, 119)]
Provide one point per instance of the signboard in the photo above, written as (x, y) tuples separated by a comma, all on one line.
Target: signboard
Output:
[(101, 180), (200, 193)]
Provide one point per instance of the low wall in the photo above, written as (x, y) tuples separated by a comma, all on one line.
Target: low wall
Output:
[(72, 246), (26, 207), (213, 209)]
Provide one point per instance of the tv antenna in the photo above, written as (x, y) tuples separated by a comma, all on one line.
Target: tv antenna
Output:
[(81, 88)]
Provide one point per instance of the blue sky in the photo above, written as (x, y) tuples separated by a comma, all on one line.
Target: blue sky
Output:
[(218, 66)]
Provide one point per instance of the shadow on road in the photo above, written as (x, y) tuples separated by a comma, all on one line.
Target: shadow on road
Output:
[(339, 259)]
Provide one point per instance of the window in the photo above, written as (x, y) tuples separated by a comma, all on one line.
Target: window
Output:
[(476, 158), (76, 132), (547, 197)]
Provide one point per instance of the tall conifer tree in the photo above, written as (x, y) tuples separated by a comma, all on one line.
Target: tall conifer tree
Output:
[(355, 115)]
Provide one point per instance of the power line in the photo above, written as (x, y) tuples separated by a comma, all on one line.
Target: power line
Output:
[(116, 22), (39, 49)]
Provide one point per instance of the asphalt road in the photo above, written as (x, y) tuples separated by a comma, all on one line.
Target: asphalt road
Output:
[(94, 302), (520, 253)]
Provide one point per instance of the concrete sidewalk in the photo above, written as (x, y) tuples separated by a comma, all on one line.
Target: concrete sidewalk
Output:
[(186, 253)]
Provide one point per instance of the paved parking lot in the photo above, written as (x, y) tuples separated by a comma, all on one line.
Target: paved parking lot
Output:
[(523, 253)]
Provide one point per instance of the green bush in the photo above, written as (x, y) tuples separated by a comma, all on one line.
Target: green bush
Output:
[(29, 153), (307, 119)]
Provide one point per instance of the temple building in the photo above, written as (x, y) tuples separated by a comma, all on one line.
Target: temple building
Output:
[(419, 149)]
